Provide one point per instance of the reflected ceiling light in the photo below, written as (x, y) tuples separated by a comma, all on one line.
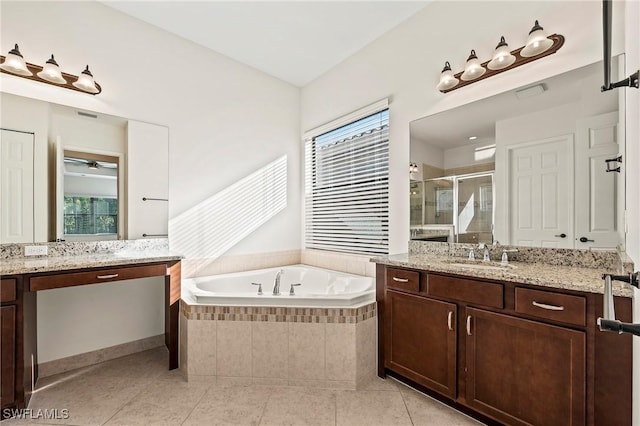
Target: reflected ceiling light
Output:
[(51, 72), (85, 82), (502, 57), (473, 138), (447, 79), (537, 42), (413, 168), (93, 165), (472, 68), (15, 64)]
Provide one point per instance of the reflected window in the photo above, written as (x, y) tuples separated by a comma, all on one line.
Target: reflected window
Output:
[(90, 194), (90, 215)]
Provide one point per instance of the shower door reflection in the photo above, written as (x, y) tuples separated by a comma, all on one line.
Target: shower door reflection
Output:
[(475, 209)]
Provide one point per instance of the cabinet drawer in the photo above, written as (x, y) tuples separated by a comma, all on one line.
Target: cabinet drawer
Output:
[(465, 290), (553, 306), (47, 282), (403, 279), (7, 290)]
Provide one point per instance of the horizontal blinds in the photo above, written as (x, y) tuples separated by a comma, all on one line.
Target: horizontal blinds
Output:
[(347, 187)]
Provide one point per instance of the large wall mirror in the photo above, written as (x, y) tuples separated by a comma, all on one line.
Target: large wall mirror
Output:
[(77, 175), (525, 167)]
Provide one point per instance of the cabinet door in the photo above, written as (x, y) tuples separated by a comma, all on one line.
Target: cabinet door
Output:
[(8, 360), (524, 372), (421, 340)]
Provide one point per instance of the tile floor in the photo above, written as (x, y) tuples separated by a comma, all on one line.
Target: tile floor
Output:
[(138, 390)]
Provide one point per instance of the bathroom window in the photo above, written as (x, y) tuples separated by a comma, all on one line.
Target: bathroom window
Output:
[(347, 186)]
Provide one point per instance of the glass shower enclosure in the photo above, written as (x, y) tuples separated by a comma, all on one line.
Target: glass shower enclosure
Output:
[(464, 202)]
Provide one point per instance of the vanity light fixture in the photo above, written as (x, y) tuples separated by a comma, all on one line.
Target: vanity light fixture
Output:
[(502, 57), (14, 63), (413, 168), (50, 73), (447, 79), (472, 69), (538, 46)]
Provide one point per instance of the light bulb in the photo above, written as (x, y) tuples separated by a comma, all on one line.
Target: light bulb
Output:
[(472, 69), (15, 64), (502, 57)]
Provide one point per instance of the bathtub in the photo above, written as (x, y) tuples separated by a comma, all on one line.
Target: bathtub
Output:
[(318, 287)]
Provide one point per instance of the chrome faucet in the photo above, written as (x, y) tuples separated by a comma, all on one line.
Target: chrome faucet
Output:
[(276, 287)]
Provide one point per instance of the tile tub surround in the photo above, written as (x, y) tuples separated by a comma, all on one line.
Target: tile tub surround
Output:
[(312, 347), (577, 278), (76, 255)]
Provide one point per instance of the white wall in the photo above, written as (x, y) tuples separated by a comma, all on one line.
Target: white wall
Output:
[(87, 185), (405, 64), (469, 155), (226, 120)]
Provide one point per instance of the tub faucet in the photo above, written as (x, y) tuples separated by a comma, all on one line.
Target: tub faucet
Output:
[(276, 287)]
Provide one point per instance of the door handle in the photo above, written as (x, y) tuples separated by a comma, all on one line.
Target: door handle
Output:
[(450, 320), (586, 240), (468, 325), (563, 235)]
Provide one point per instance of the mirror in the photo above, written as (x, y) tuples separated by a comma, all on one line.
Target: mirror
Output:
[(525, 167), (94, 176), (90, 196)]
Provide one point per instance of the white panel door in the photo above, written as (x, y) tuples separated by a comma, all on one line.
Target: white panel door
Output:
[(16, 186), (597, 215), (147, 179), (541, 193)]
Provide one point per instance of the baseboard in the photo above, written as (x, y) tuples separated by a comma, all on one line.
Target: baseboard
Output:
[(94, 357)]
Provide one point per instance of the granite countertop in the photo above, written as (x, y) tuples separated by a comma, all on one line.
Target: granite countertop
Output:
[(30, 265), (539, 274)]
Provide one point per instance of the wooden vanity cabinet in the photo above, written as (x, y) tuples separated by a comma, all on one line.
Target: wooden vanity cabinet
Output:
[(524, 372), (503, 350), (421, 342)]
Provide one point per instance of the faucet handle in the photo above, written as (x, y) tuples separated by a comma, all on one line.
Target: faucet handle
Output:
[(259, 288), (291, 291)]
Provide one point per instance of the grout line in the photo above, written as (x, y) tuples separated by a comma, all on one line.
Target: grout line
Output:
[(197, 403), (406, 408)]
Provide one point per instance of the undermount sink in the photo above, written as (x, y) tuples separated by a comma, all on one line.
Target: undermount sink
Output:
[(479, 264)]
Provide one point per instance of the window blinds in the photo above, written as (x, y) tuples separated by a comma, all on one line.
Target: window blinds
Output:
[(347, 187)]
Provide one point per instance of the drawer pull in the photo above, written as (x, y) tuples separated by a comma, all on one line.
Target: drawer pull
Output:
[(106, 277), (401, 280), (547, 307), (449, 321), (468, 325)]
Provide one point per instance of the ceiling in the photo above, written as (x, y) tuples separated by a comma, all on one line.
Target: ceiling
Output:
[(453, 128), (295, 41)]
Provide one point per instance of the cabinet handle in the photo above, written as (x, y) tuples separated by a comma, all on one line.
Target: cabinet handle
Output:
[(449, 320), (401, 280), (468, 325), (105, 277), (548, 307)]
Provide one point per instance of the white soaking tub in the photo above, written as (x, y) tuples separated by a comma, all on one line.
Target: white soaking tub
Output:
[(318, 287)]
